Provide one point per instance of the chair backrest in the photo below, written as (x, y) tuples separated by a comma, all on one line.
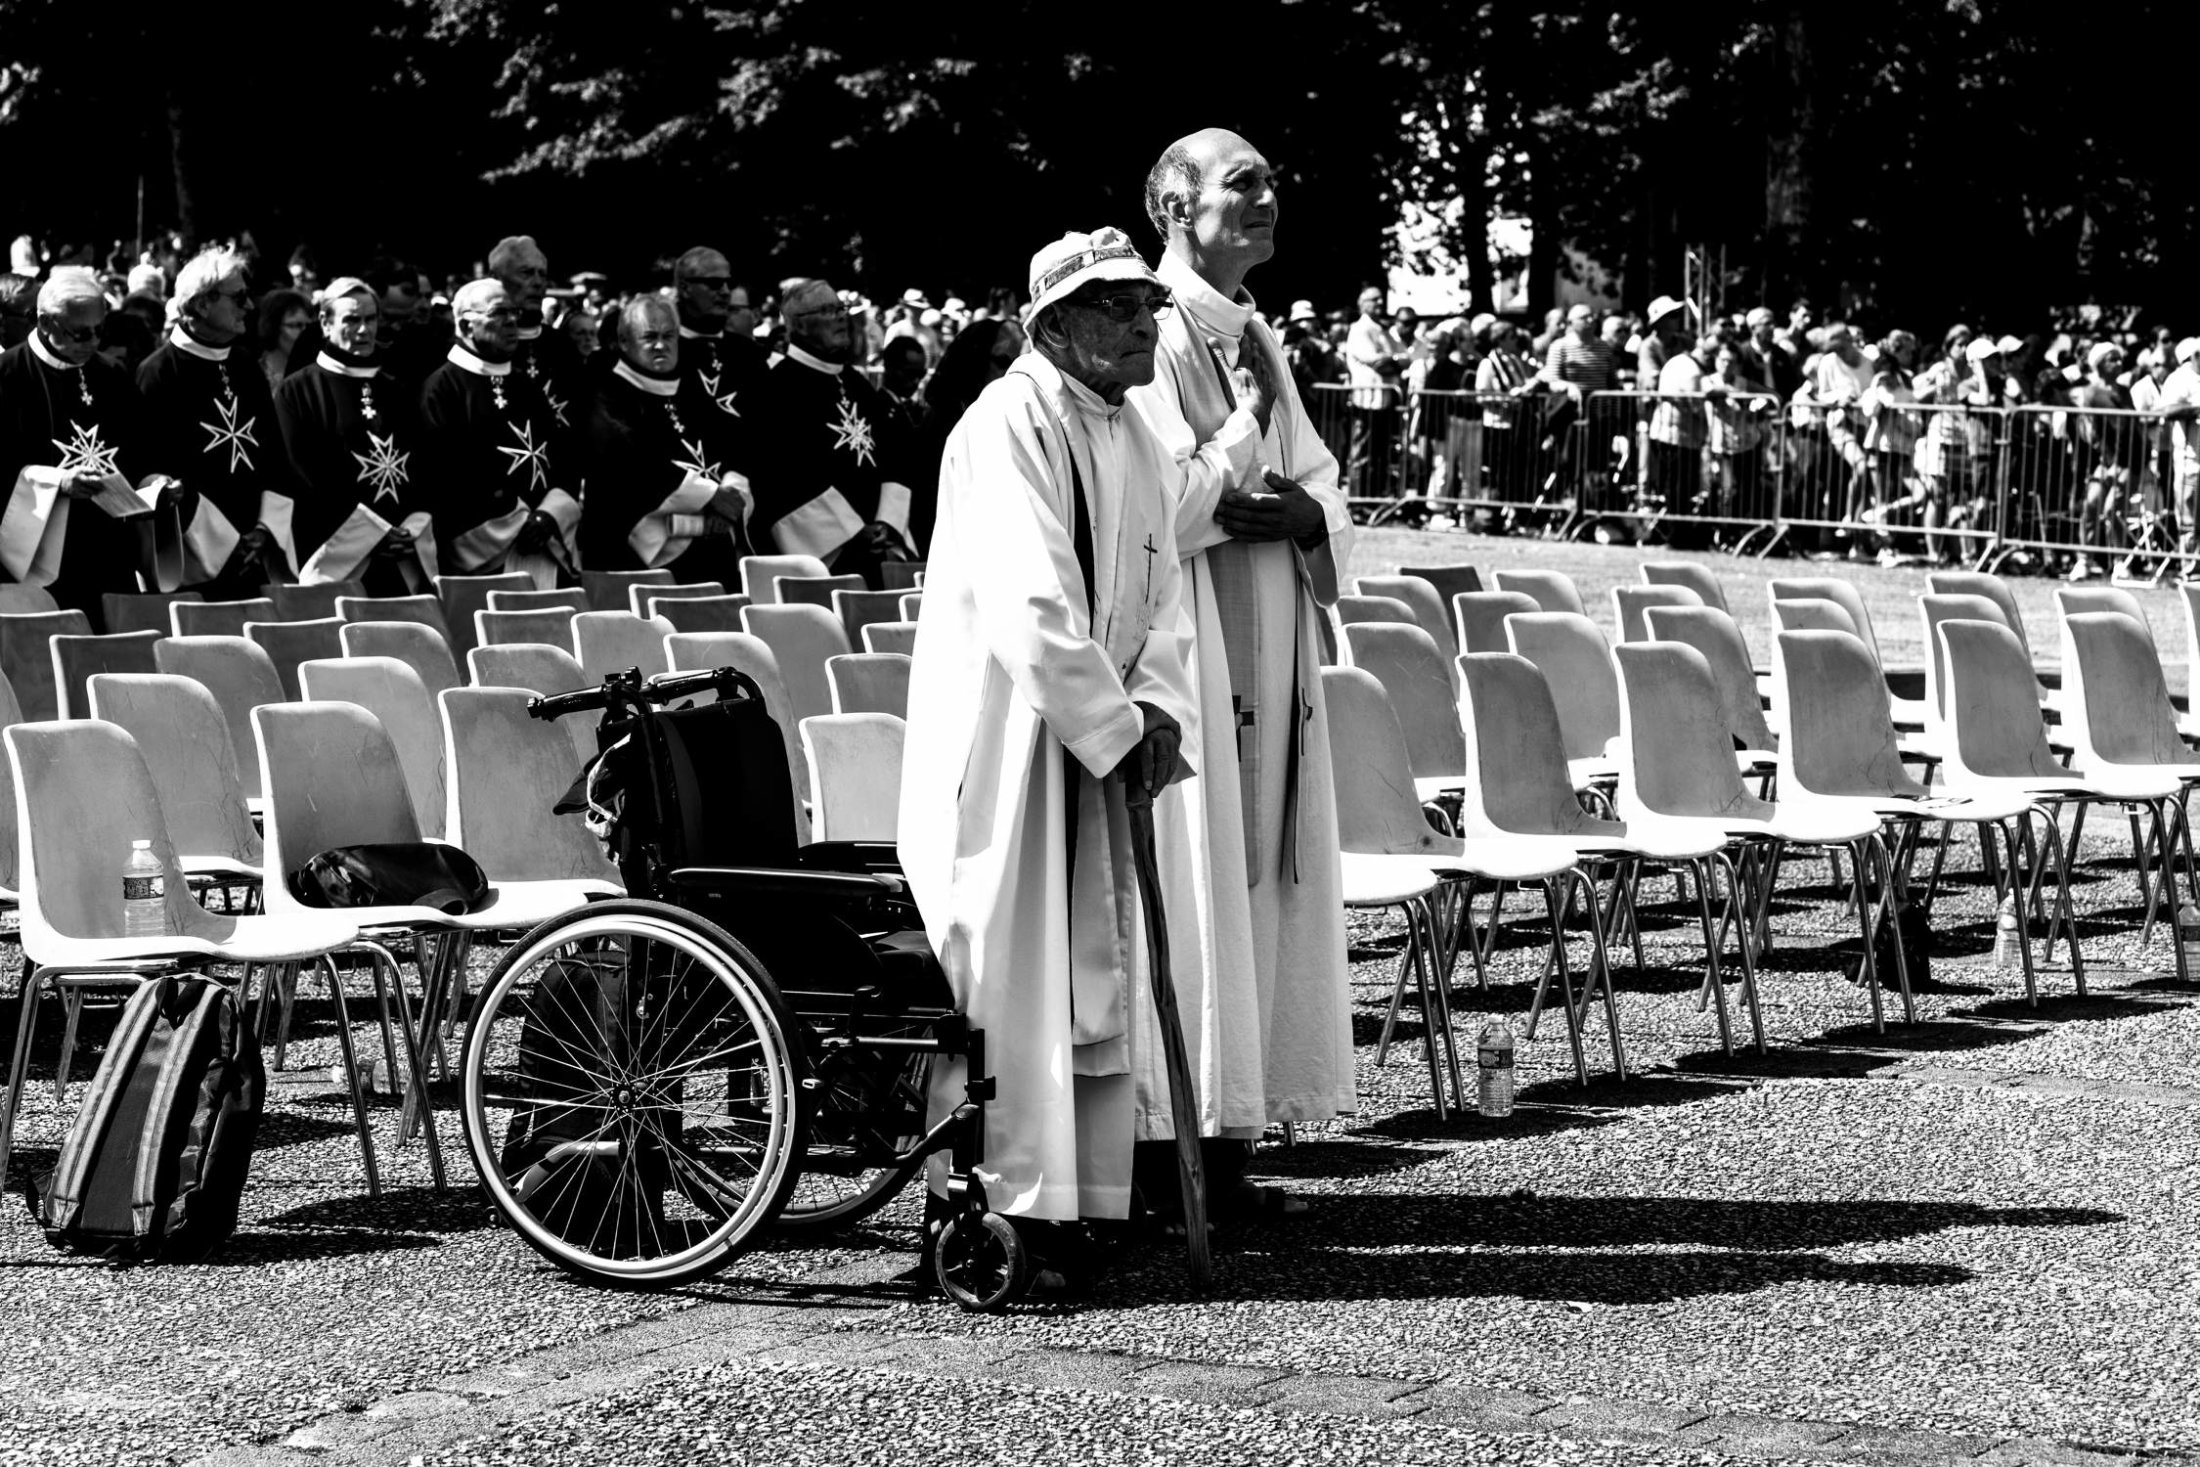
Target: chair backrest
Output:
[(565, 598), (11, 714), (26, 600), (184, 739), (1677, 757), (855, 775), (1517, 782), (1713, 633), (702, 613), (912, 604), (1479, 617), (2077, 600), (1815, 614), (240, 675), (217, 618), (76, 659), (859, 609), (316, 602), (126, 612), (1993, 722), (333, 778), (1979, 583), (1829, 588), (1431, 613), (891, 636), (1932, 610), (1840, 736), (288, 643), (815, 590), (639, 599), (394, 694), (552, 625), (83, 794), (1577, 663), (869, 682), (2116, 707), (26, 656), (540, 668), (1552, 590), (2190, 600), (1696, 577), (1630, 602), (1449, 580), (696, 651), (611, 641), (1407, 662), (1354, 610), (609, 590), (425, 609), (1377, 813), (760, 574), (506, 770), (416, 644), (801, 638), (462, 596)]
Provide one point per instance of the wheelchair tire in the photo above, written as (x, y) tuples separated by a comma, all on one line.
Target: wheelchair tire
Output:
[(981, 1262), (632, 1096), (842, 1180)]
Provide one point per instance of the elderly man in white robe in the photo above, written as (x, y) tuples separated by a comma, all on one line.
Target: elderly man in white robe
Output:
[(1048, 672), (1264, 535)]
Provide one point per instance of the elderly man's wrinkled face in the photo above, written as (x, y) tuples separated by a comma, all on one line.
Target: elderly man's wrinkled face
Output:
[(221, 313), (822, 330), (73, 331), (352, 323), (1234, 211), (491, 326), (650, 340), (526, 277), (1107, 334), (706, 295)]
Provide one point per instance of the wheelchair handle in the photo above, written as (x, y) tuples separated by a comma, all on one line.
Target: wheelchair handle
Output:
[(629, 686)]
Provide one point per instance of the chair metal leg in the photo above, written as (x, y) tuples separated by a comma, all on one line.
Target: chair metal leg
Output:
[(1749, 961), (2023, 913), (351, 1076), (19, 1067), (72, 1007), (2069, 916), (418, 1107), (1552, 905), (1712, 978), (1891, 905), (1432, 1043), (1600, 973), (1867, 927), (1441, 1025), (1397, 999)]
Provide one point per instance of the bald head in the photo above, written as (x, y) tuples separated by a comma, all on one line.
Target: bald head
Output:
[(702, 287), (1212, 199)]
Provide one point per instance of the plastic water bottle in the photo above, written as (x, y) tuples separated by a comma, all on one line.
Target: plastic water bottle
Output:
[(2007, 935), (1494, 1082), (144, 893), (2188, 937)]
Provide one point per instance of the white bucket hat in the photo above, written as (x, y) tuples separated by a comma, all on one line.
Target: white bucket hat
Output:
[(1077, 259)]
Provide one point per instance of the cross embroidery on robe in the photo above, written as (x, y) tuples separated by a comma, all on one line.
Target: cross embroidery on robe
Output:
[(1151, 551)]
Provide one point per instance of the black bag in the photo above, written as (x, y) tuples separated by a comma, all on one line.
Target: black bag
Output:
[(420, 874), (1915, 932), (155, 1163)]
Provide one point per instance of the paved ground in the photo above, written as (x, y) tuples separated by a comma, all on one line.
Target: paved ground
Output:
[(1968, 1240)]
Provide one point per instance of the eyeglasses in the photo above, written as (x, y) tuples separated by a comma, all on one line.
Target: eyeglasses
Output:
[(1126, 307), (711, 282)]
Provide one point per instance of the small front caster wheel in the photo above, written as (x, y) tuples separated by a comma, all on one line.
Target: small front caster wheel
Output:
[(981, 1261)]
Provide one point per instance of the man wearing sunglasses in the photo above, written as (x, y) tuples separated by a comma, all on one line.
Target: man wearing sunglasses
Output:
[(1263, 533), (1048, 677)]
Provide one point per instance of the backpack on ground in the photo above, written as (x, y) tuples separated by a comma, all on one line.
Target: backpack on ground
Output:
[(154, 1165)]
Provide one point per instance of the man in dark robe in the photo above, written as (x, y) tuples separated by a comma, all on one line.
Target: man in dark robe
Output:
[(210, 422), (348, 443), (721, 373), (488, 452), (829, 482), (653, 498), (544, 357)]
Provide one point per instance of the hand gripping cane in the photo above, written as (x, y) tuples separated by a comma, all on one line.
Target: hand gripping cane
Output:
[(1183, 1107)]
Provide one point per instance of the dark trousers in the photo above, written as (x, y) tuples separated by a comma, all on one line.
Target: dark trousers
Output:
[(1374, 448)]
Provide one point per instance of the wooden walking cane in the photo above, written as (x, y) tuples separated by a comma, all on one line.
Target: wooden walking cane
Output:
[(1183, 1107)]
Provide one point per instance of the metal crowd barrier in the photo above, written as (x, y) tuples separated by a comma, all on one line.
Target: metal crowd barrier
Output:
[(2097, 482)]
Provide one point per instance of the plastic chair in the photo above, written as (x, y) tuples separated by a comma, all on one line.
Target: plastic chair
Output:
[(553, 625), (1431, 613), (1993, 588), (1713, 633), (217, 618), (288, 643), (702, 613), (1353, 610), (1630, 602), (1932, 610), (310, 603), (462, 596), (699, 651), (26, 600), (26, 656), (83, 794), (760, 574), (855, 775), (125, 612), (76, 659), (911, 605), (609, 590), (891, 636), (240, 677), (184, 738), (507, 770), (1479, 617), (417, 645), (1407, 662), (639, 599), (1908, 712), (1691, 574), (900, 575), (1577, 663), (1552, 590), (801, 639), (859, 609), (1449, 580), (869, 682), (541, 669), (394, 694), (425, 609), (568, 598), (11, 714), (815, 590), (2077, 600), (610, 641)]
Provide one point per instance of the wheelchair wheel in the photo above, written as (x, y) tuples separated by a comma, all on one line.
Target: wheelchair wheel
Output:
[(865, 1112), (981, 1261), (632, 1097)]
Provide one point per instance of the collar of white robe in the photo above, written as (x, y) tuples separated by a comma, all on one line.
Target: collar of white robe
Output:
[(44, 353), (654, 386), (463, 359), (191, 346)]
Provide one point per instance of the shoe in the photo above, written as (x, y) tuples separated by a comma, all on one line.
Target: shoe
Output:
[(2081, 570)]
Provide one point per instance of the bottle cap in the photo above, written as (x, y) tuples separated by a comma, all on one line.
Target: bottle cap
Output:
[(141, 845)]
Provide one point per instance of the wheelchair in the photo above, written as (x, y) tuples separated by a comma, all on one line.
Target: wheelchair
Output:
[(744, 1044)]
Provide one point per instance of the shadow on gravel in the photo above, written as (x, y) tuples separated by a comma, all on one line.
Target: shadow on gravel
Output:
[(405, 1209), (250, 1249)]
